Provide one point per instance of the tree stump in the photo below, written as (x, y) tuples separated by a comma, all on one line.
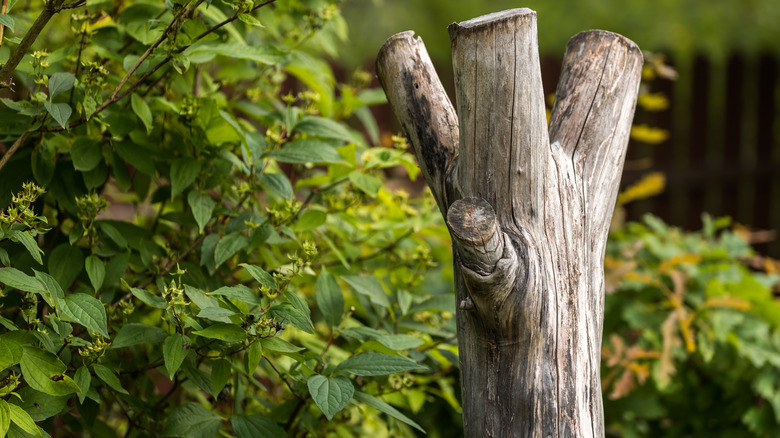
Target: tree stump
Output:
[(528, 207)]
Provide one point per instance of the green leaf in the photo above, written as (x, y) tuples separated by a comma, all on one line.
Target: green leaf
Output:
[(184, 171), (386, 408), (370, 287), (325, 128), (135, 333), (7, 21), (228, 245), (310, 219), (220, 374), (29, 243), (54, 292), (65, 264), (147, 297), (202, 207), (330, 299), (19, 280), (113, 234), (5, 417), (45, 372), (278, 184), (59, 111), (306, 151), (174, 352), (224, 332), (260, 275), (250, 20), (279, 345), (377, 364), (238, 292), (253, 426), (83, 379), (109, 378), (60, 82), (253, 356), (258, 53), (96, 271), (141, 109), (22, 419), (217, 314), (287, 313), (86, 154), (193, 421), (85, 310), (11, 352), (369, 184), (330, 394)]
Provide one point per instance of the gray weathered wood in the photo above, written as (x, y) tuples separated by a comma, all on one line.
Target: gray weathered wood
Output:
[(528, 209)]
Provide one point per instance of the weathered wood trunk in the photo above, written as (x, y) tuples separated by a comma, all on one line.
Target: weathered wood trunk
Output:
[(528, 209)]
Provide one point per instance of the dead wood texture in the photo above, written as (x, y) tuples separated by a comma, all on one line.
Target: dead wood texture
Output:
[(528, 207)]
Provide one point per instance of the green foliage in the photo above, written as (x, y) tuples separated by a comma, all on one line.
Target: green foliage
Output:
[(691, 335), (209, 246)]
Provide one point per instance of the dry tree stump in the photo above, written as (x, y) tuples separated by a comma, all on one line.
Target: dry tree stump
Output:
[(528, 206)]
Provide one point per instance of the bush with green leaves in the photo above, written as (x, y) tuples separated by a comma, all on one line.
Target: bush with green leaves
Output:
[(196, 236), (691, 334)]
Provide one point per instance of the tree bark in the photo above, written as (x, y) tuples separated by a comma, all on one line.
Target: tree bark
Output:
[(528, 208)]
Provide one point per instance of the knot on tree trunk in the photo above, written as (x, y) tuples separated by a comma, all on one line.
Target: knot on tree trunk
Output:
[(488, 260)]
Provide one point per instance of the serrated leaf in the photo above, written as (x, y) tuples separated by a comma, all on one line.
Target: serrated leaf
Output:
[(238, 292), (83, 379), (7, 21), (287, 313), (136, 333), (141, 109), (260, 275), (330, 394), (19, 280), (65, 264), (193, 421), (222, 331), (85, 310), (60, 82), (28, 242), (377, 364), (329, 297), (109, 378), (369, 184), (325, 128), (217, 314), (45, 372), (279, 345), (366, 334), (184, 171), (370, 287), (96, 271), (85, 154), (59, 111), (174, 352), (278, 184), (254, 426), (228, 246), (22, 419), (386, 408), (202, 207), (305, 151)]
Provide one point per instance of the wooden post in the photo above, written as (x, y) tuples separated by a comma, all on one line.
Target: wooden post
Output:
[(528, 208)]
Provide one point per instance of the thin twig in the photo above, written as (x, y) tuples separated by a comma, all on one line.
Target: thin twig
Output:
[(17, 144), (2, 26)]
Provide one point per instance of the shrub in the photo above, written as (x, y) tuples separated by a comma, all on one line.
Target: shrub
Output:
[(208, 244)]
